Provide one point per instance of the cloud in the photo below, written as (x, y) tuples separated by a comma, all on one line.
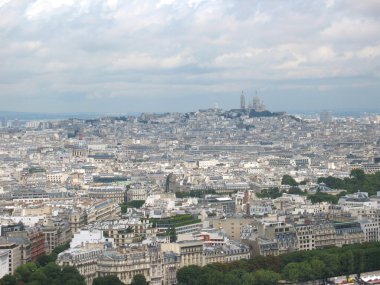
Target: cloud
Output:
[(126, 50)]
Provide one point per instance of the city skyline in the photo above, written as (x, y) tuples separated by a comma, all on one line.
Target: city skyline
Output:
[(122, 57)]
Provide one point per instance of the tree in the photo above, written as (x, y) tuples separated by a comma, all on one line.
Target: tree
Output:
[(266, 277), (52, 270), (331, 262), (318, 269), (8, 279), (139, 279), (71, 275), (347, 263), (172, 234), (190, 275), (43, 260), (305, 271), (296, 190), (288, 180), (322, 197), (358, 175), (211, 276), (247, 279), (131, 204), (291, 272), (107, 280), (229, 278), (272, 193), (359, 263), (39, 277), (24, 271)]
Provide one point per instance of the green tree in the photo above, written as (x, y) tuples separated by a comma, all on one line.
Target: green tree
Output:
[(296, 190), (305, 271), (291, 272), (39, 277), (131, 204), (320, 197), (24, 271), (43, 260), (318, 269), (360, 263), (139, 279), (288, 180), (190, 275), (71, 275), (331, 262), (358, 175), (229, 278), (247, 279), (347, 263), (272, 193), (107, 280), (8, 279), (172, 234), (266, 277), (52, 270)]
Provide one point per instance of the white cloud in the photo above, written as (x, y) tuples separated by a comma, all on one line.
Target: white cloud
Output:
[(200, 46), (4, 2)]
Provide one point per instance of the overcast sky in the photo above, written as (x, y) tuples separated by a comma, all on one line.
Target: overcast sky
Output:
[(145, 56)]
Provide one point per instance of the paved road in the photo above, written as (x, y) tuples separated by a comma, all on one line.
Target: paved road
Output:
[(339, 279)]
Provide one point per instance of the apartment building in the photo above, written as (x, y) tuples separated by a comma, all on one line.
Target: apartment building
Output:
[(85, 259), (124, 264), (4, 262), (14, 254), (191, 252), (117, 194), (348, 233)]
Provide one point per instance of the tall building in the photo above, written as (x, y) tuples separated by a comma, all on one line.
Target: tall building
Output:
[(242, 100)]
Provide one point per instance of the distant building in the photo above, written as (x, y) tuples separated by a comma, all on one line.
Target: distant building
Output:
[(258, 105), (242, 100), (114, 193), (325, 117)]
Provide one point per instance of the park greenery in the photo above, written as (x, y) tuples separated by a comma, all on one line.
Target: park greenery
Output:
[(358, 181), (131, 204), (271, 193), (298, 266), (176, 221), (288, 180), (318, 197)]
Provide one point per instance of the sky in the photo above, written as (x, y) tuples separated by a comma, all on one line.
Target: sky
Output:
[(123, 56)]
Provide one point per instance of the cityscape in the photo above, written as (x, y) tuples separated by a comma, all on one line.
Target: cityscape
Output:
[(192, 142), (155, 193)]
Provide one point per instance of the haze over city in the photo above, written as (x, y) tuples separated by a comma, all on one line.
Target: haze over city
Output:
[(157, 56)]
